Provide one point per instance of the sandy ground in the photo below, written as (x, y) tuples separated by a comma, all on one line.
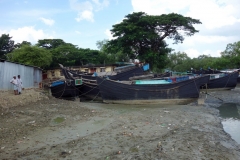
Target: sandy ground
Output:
[(37, 126)]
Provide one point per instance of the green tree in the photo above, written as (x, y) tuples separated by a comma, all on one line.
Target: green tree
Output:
[(50, 43), (179, 62), (101, 45), (204, 62), (65, 54), (221, 63), (6, 45), (140, 34), (69, 55), (106, 57), (88, 56), (232, 53), (31, 55), (19, 45)]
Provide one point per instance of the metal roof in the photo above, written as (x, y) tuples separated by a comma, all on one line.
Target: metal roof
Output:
[(3, 60)]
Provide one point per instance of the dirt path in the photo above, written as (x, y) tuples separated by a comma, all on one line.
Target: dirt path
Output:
[(49, 128)]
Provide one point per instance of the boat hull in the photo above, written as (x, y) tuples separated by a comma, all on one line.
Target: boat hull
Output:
[(90, 91), (116, 92), (223, 83), (65, 90), (89, 88)]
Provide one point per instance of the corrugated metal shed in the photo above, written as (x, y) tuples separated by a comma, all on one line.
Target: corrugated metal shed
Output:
[(31, 76)]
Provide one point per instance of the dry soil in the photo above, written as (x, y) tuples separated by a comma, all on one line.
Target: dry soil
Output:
[(35, 125)]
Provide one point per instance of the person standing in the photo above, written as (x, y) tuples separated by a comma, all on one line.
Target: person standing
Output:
[(15, 85), (20, 85)]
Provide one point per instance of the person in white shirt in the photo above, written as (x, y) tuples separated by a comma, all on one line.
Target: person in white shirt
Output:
[(20, 85), (15, 85)]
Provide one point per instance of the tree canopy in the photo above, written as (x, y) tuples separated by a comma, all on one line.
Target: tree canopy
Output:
[(107, 57), (179, 61), (140, 34), (31, 55), (6, 45), (232, 54), (50, 43), (49, 53), (19, 45)]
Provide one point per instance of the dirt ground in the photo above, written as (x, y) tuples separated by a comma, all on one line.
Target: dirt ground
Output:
[(35, 125)]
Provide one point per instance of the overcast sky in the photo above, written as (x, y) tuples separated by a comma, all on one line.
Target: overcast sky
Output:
[(83, 22)]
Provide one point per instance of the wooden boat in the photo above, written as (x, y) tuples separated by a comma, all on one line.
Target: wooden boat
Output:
[(160, 75), (238, 79), (126, 92), (209, 71), (65, 89), (222, 81), (233, 70), (146, 76), (89, 88)]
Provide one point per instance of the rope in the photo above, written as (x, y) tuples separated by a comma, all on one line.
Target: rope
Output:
[(95, 96), (213, 96), (93, 88), (206, 92), (67, 76), (224, 87), (62, 91), (88, 91), (174, 88), (196, 85), (228, 80), (84, 83), (66, 83)]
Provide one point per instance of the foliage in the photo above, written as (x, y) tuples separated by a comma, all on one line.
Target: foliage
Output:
[(68, 54), (104, 58), (31, 55), (140, 34), (65, 54), (19, 45), (50, 43), (179, 62), (107, 57), (204, 62), (157, 60), (6, 45), (101, 45), (232, 54), (221, 63), (88, 56)]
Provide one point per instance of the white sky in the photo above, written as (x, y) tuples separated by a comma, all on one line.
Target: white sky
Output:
[(83, 23)]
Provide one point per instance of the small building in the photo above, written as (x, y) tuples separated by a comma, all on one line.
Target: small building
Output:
[(31, 75), (91, 68), (56, 73)]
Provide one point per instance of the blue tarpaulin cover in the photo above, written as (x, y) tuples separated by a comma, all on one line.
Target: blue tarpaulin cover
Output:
[(57, 83), (146, 67), (151, 82)]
